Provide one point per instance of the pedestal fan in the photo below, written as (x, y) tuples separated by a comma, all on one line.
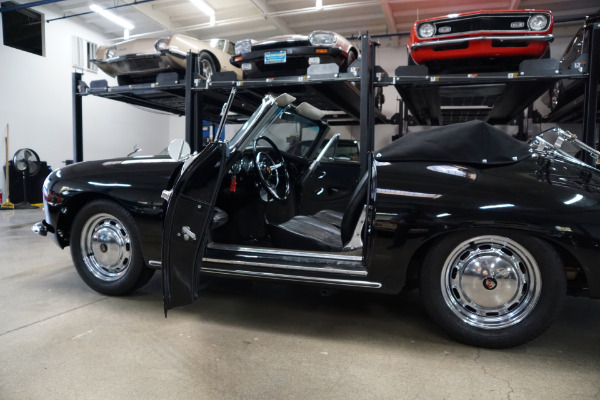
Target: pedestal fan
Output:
[(27, 162)]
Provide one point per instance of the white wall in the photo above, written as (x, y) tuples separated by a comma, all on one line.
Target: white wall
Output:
[(35, 101)]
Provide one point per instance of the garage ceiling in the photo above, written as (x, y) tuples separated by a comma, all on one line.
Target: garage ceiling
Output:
[(258, 19)]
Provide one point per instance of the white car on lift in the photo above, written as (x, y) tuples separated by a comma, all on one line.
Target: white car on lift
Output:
[(140, 60)]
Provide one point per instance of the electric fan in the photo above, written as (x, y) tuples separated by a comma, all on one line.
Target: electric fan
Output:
[(27, 162)]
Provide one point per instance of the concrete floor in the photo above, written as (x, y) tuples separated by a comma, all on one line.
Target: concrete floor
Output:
[(61, 340)]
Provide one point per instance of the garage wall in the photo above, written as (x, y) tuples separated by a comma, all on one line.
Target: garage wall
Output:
[(35, 101)]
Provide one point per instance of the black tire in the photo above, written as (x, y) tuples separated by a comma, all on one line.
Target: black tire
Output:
[(106, 250), (494, 290), (410, 60), (206, 66), (352, 56)]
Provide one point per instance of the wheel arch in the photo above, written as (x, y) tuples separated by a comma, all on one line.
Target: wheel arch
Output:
[(71, 208), (213, 57)]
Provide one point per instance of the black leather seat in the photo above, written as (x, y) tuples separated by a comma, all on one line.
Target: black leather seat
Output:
[(325, 231)]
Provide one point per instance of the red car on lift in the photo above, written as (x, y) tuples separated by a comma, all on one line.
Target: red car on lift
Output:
[(480, 40)]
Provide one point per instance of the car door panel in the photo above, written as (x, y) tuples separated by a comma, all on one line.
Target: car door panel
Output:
[(187, 221)]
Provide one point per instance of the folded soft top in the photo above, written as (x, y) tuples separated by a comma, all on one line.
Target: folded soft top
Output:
[(472, 142)]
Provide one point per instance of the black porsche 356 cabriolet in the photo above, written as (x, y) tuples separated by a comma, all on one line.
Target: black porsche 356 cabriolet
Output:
[(492, 230)]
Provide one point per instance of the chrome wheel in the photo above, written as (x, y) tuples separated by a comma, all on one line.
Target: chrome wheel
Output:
[(205, 69), (106, 247), (206, 66), (490, 282)]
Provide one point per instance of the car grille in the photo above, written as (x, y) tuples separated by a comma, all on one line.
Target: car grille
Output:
[(280, 45), (483, 23)]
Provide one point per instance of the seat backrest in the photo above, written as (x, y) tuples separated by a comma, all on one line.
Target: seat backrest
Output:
[(354, 208)]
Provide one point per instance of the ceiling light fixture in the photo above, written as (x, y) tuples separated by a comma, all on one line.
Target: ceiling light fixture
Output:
[(206, 9), (112, 17), (319, 4)]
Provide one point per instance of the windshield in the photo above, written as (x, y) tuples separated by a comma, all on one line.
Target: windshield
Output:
[(291, 132)]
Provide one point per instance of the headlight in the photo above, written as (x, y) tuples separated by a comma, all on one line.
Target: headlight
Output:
[(111, 51), (426, 31), (538, 22), (161, 44), (243, 46), (322, 38)]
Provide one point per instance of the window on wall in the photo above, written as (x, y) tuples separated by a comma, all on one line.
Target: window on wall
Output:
[(83, 51), (23, 29)]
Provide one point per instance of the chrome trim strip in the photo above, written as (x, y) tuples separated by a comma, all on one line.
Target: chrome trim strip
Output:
[(280, 252), (269, 275), (530, 38), (154, 263), (285, 266)]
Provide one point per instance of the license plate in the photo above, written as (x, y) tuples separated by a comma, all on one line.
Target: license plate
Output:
[(275, 57)]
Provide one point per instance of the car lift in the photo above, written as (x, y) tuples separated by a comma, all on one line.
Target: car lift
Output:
[(348, 97)]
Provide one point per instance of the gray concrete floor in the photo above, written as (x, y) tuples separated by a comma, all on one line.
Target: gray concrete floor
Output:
[(61, 340)]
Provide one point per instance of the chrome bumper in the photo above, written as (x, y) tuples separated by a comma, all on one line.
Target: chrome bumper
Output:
[(40, 228), (516, 38)]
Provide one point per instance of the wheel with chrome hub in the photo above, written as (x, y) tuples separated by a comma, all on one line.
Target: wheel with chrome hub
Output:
[(105, 249), (493, 290)]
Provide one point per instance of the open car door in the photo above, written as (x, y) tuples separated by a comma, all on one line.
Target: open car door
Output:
[(188, 218)]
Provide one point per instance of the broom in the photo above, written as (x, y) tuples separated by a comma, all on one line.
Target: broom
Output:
[(7, 204)]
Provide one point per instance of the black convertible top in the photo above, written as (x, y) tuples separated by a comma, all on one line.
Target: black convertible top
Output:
[(472, 142)]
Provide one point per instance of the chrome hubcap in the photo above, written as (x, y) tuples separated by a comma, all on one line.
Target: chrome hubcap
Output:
[(491, 282), (106, 247)]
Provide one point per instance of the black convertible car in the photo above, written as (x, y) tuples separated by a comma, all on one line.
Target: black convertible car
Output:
[(492, 231)]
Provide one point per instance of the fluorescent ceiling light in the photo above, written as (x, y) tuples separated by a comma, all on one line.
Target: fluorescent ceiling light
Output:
[(319, 4), (205, 8), (110, 16)]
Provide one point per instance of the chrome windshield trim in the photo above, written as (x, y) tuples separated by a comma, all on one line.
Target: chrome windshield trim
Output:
[(269, 275), (285, 266), (281, 252), (531, 38)]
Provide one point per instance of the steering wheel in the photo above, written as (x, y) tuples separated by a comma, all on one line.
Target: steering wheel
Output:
[(273, 175)]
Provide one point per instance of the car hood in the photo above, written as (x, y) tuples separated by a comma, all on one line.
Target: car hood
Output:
[(119, 167), (134, 46)]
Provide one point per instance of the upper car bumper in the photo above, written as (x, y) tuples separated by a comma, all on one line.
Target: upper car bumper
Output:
[(296, 60), (481, 47), (136, 64), (448, 42)]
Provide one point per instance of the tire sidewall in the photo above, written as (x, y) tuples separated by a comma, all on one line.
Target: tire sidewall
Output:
[(135, 271), (553, 289)]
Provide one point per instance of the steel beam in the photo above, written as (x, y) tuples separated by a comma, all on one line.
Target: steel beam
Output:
[(27, 5), (77, 119)]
